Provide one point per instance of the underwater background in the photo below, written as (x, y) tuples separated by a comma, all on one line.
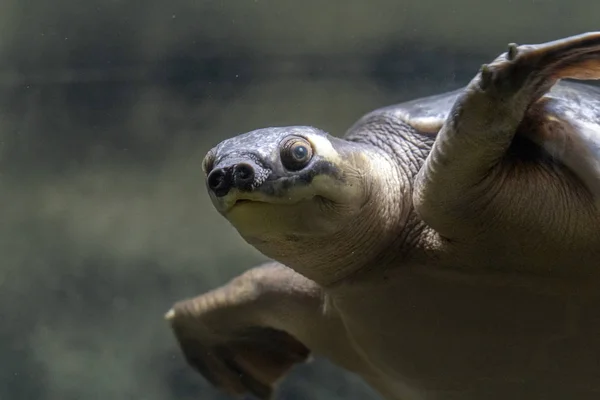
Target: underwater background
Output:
[(106, 111)]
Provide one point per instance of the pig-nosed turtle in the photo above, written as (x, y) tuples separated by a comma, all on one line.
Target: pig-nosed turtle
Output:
[(445, 248)]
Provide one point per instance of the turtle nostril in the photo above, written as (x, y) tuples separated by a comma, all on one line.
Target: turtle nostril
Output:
[(243, 174), (221, 180), (218, 182)]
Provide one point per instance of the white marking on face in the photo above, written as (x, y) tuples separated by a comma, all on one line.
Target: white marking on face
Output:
[(324, 148)]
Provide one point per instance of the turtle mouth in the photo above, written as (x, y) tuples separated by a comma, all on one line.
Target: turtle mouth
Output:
[(235, 203), (238, 202), (243, 201)]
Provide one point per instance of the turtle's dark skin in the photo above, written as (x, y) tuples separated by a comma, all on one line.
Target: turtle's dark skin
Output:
[(446, 248)]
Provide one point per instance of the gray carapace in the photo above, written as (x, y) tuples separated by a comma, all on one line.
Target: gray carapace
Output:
[(446, 248)]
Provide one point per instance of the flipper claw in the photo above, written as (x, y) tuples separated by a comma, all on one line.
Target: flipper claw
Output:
[(486, 75), (512, 51)]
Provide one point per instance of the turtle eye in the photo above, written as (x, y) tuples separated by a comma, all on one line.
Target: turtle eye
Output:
[(296, 153)]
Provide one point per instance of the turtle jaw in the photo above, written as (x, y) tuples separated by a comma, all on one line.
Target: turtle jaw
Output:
[(271, 223), (270, 213), (267, 192), (236, 200)]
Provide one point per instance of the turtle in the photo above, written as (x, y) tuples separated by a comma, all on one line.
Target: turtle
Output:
[(445, 248)]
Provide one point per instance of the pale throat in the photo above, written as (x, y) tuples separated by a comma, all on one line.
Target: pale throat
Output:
[(360, 242)]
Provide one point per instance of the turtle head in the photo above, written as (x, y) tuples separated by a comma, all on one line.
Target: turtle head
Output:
[(286, 188), (289, 181)]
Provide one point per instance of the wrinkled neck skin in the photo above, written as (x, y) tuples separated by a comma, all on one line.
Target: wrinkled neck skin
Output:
[(384, 220)]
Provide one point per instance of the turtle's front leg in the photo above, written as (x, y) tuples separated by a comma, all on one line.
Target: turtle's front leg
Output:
[(484, 120)]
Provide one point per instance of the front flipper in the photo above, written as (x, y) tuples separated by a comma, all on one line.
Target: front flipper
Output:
[(483, 121), (246, 336), (250, 362)]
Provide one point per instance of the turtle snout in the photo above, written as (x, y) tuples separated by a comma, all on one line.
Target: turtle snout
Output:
[(239, 176)]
